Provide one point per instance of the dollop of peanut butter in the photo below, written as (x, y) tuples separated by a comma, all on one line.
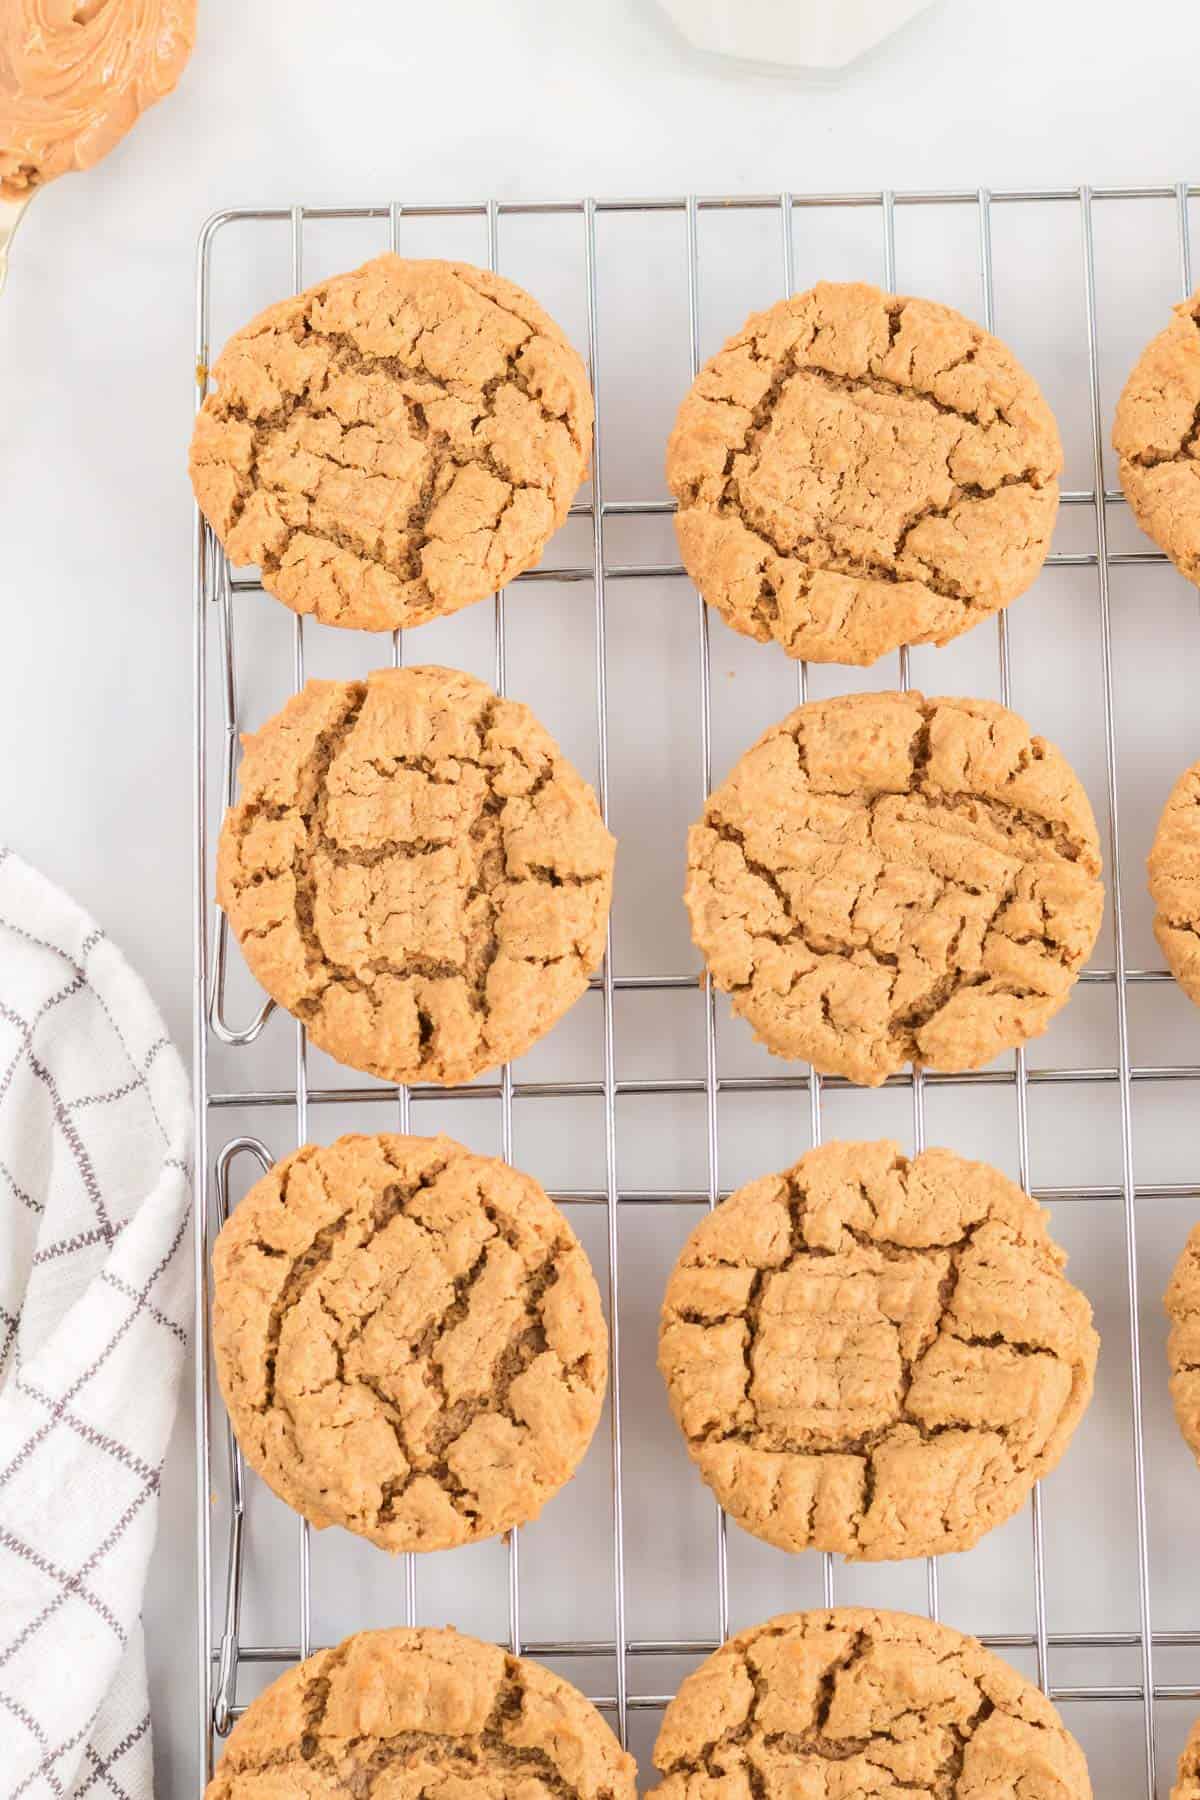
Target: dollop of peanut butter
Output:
[(76, 74)]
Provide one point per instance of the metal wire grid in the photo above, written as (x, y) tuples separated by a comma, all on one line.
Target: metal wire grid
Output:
[(214, 590)]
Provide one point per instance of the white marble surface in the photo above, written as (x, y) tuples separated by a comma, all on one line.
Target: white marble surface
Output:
[(296, 100)]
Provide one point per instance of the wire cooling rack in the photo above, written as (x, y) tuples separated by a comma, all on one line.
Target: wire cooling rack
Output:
[(650, 1102)]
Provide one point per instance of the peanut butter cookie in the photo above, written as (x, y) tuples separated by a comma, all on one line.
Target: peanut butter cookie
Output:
[(394, 443), (1182, 1302), (1156, 434), (1174, 869), (409, 1340), (851, 1703), (416, 871), (405, 1714), (1187, 1778), (887, 879), (856, 470), (875, 1356)]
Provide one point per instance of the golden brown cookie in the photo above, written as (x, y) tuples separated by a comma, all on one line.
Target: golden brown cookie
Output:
[(75, 77), (1156, 434), (1187, 1778), (856, 470), (1174, 869), (851, 1703), (887, 879), (875, 1356), (406, 1714), (1182, 1301), (415, 870), (394, 443), (409, 1340)]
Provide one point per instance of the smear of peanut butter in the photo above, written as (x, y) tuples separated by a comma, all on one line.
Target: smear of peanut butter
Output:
[(76, 74)]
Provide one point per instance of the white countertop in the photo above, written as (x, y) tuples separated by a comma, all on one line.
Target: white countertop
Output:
[(512, 98)]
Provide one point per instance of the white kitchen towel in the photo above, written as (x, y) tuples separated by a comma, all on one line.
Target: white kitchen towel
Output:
[(95, 1139)]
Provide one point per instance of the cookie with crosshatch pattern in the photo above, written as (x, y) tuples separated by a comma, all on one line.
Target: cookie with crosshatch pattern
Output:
[(394, 443), (415, 870), (407, 1714), (850, 1702), (409, 1340), (875, 1356), (885, 879), (858, 470)]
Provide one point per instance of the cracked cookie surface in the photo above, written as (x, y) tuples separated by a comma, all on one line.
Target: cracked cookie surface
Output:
[(1187, 1777), (1156, 434), (1174, 870), (393, 444), (849, 1703), (887, 879), (403, 1714), (415, 870), (875, 1356), (857, 470), (1182, 1302), (409, 1340)]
